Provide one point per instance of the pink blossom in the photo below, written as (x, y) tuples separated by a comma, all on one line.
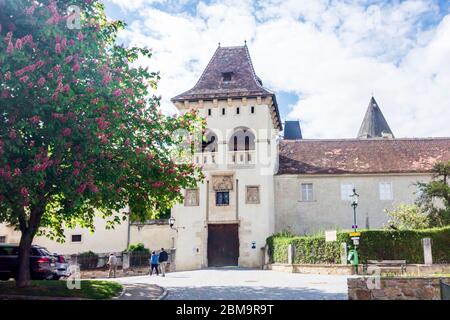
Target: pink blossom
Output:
[(58, 48), (80, 36), (77, 164), (41, 81), (8, 75), (10, 48), (94, 101), (42, 184), (30, 10), (71, 42), (68, 59), (13, 134), (50, 75), (30, 85), (81, 188), (66, 132), (6, 94), (19, 44), (117, 92), (24, 192), (93, 188), (76, 172), (39, 64), (66, 88), (35, 119), (24, 79), (106, 79), (76, 67), (17, 172), (8, 37), (157, 184), (57, 68)]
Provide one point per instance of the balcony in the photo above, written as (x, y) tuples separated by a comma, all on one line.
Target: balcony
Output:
[(206, 159), (241, 158)]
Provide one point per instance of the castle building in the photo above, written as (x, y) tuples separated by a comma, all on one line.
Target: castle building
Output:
[(263, 177)]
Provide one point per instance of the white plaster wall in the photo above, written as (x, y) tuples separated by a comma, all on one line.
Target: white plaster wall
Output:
[(102, 241), (328, 211), (153, 236)]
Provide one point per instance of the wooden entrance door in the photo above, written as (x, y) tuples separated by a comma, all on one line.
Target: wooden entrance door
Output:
[(223, 245)]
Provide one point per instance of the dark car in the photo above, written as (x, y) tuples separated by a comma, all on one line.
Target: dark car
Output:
[(42, 262)]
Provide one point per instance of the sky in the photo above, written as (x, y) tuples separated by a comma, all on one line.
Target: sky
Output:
[(324, 59)]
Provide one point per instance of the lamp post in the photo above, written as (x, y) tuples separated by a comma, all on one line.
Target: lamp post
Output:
[(355, 197), (172, 224), (353, 257)]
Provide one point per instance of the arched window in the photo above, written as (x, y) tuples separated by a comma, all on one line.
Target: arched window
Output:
[(242, 139), (209, 144)]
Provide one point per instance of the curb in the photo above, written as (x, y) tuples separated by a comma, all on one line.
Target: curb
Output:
[(164, 294)]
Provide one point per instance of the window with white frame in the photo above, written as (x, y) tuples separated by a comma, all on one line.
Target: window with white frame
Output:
[(346, 191), (386, 191), (307, 192)]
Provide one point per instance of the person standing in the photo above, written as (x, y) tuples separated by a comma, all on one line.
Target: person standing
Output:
[(112, 262), (163, 258), (154, 263)]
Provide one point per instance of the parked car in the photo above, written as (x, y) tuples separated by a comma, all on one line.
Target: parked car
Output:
[(42, 262), (62, 267)]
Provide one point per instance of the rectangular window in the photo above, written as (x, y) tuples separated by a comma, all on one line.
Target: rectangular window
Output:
[(209, 112), (252, 109), (346, 191), (222, 198), (307, 192), (237, 110), (223, 111), (191, 198), (386, 191), (227, 76), (76, 238), (2, 239)]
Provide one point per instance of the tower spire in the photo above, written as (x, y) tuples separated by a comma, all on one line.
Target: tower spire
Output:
[(374, 124)]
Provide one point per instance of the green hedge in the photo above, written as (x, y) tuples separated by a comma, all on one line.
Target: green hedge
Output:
[(374, 245)]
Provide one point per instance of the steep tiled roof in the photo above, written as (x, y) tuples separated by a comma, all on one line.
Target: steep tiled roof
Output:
[(362, 156), (374, 124), (244, 82)]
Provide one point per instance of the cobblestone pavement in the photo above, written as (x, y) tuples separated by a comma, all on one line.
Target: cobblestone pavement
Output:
[(236, 284)]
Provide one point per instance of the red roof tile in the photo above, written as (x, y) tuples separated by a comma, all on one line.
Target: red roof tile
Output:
[(362, 156)]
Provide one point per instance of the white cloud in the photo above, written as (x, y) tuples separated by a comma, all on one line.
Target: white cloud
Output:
[(332, 54)]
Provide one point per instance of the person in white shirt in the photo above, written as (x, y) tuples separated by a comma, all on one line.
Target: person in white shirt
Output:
[(112, 262)]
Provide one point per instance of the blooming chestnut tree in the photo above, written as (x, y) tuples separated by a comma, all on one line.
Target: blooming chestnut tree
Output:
[(81, 134)]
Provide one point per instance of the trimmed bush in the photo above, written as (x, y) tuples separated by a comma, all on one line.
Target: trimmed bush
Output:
[(374, 245)]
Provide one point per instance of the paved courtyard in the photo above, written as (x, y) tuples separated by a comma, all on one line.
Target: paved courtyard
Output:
[(236, 284)]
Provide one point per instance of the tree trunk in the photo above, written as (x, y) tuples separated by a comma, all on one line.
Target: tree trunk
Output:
[(23, 278)]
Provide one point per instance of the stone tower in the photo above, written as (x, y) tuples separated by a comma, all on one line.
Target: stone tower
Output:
[(226, 221)]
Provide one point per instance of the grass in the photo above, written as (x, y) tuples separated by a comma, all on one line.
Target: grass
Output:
[(90, 289)]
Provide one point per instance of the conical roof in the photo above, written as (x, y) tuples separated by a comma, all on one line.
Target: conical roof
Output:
[(374, 124)]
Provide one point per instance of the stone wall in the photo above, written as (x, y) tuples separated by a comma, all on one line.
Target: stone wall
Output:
[(335, 269), (399, 288)]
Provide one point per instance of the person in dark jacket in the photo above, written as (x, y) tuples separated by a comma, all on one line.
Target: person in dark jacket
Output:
[(163, 258)]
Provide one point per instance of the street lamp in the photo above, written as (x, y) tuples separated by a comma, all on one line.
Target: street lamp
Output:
[(354, 204), (171, 222)]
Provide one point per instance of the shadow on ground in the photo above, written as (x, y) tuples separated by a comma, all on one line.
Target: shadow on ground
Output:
[(141, 291), (250, 293)]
